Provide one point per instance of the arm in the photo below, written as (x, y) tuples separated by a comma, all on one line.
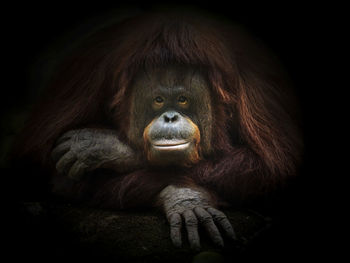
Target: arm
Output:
[(107, 190), (85, 150), (78, 152), (237, 177)]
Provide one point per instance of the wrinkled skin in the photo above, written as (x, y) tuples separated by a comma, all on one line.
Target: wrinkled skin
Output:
[(194, 206), (80, 151)]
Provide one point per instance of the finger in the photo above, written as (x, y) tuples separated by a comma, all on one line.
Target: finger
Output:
[(175, 229), (192, 229), (221, 219), (206, 219), (77, 170), (59, 150), (66, 136), (65, 162)]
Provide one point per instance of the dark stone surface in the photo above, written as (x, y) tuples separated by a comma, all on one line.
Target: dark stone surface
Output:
[(81, 233)]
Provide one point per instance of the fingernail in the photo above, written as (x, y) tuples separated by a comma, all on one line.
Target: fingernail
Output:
[(233, 235), (220, 243), (196, 247), (177, 244)]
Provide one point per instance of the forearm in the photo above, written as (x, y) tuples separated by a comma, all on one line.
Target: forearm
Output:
[(125, 162), (238, 176), (134, 190)]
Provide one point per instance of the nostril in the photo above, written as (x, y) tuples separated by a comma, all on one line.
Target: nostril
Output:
[(170, 117), (166, 118)]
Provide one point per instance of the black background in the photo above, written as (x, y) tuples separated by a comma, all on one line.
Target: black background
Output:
[(301, 35)]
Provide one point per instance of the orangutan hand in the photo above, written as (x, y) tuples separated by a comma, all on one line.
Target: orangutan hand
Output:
[(81, 151), (193, 206)]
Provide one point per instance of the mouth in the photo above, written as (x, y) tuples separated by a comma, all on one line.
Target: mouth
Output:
[(171, 145)]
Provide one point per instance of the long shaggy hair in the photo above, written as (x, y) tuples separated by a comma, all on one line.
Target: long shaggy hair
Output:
[(252, 102)]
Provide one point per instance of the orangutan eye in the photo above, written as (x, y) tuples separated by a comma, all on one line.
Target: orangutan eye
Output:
[(158, 103), (182, 100), (159, 100)]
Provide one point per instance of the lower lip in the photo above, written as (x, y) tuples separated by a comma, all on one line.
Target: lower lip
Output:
[(172, 147)]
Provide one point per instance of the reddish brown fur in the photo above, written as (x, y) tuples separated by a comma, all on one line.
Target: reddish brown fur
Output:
[(256, 143)]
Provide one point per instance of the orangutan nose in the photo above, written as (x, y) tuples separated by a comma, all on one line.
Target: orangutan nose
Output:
[(170, 116)]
